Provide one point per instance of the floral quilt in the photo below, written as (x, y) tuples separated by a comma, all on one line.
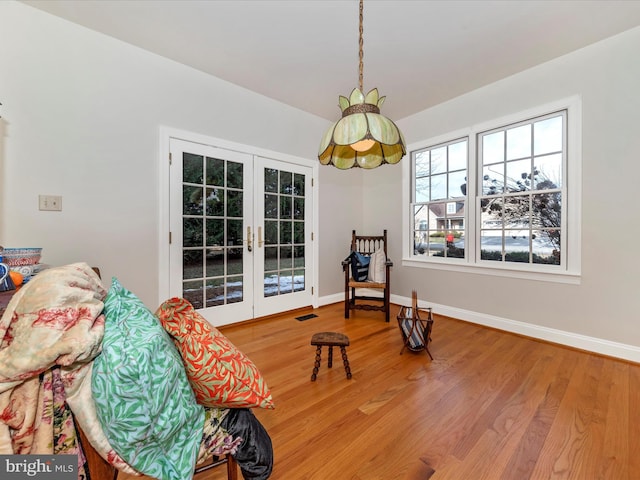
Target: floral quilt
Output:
[(50, 331)]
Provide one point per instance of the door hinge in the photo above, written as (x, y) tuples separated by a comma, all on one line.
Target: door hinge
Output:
[(311, 290), (169, 238), (312, 236), (312, 179), (170, 159)]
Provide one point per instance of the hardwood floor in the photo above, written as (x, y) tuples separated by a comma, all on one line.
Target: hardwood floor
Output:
[(491, 405)]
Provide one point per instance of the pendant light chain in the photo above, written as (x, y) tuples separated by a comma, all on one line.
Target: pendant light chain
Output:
[(361, 45)]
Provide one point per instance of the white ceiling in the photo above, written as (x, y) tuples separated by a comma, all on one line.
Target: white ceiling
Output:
[(305, 52)]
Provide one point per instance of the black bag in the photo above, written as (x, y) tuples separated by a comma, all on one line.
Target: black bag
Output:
[(359, 266)]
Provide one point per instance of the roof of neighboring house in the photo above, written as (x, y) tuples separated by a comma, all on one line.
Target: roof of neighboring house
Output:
[(440, 210)]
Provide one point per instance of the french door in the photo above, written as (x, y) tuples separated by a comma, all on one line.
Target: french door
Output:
[(240, 232), (283, 255)]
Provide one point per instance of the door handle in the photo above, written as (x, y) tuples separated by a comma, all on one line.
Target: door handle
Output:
[(249, 242), (260, 237)]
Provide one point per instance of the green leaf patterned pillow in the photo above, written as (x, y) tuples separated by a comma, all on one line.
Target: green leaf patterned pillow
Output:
[(220, 374), (143, 399)]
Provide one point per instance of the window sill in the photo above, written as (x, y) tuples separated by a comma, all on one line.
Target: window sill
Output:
[(555, 276)]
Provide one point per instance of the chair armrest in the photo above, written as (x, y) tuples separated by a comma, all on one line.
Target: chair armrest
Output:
[(346, 262), (388, 263)]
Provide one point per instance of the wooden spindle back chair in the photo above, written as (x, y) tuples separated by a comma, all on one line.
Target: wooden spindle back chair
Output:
[(366, 245)]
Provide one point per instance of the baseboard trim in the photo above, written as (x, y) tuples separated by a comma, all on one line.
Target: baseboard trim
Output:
[(575, 340), (600, 346), (329, 299)]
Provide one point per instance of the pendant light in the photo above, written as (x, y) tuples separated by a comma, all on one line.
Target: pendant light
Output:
[(362, 137)]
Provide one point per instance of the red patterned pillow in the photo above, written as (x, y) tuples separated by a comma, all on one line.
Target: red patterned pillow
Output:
[(219, 373)]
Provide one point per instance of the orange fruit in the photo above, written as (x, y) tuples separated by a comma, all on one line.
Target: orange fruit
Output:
[(16, 277)]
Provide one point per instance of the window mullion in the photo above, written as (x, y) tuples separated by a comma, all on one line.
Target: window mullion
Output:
[(472, 216)]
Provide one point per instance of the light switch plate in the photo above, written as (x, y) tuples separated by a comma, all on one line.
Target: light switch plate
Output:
[(50, 202)]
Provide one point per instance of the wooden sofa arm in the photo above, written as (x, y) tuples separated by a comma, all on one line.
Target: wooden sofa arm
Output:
[(98, 468)]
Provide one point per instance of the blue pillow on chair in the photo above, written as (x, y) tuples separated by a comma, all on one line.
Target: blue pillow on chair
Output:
[(359, 266)]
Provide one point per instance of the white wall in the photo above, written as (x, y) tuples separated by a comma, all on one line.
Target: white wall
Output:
[(81, 117), (606, 304), (341, 194)]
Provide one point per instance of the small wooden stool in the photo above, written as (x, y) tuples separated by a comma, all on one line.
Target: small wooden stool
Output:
[(330, 339)]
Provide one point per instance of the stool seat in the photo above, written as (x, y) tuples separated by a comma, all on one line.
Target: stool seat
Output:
[(330, 339)]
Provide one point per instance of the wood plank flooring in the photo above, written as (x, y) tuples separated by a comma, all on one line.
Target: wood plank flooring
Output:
[(491, 405)]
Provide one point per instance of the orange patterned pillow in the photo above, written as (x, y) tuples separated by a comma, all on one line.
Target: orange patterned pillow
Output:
[(219, 373)]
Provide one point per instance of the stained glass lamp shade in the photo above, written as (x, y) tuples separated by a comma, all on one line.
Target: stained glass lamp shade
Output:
[(362, 137)]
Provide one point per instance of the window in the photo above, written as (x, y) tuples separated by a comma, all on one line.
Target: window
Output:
[(521, 196), (440, 177), (497, 198)]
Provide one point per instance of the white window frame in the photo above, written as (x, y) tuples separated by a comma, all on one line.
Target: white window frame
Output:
[(570, 271)]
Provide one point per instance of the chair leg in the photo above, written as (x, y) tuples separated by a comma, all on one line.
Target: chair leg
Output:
[(347, 302), (386, 304), (346, 295), (330, 364), (232, 468)]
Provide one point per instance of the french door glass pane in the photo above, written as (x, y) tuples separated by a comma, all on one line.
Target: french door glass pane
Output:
[(234, 175), (215, 202), (298, 259), (215, 262), (215, 231), (215, 172), (298, 280), (284, 207), (192, 168), (298, 185), (270, 180), (215, 292), (270, 206), (286, 179), (270, 233), (212, 230)]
